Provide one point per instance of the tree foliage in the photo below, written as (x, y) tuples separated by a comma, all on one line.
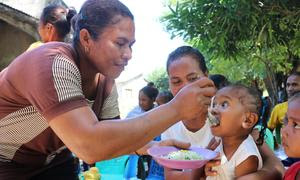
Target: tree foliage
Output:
[(160, 79), (244, 39)]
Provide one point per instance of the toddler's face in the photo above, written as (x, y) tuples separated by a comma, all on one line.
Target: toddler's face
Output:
[(291, 131), (228, 109)]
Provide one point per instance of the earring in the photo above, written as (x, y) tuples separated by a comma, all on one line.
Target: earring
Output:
[(86, 50)]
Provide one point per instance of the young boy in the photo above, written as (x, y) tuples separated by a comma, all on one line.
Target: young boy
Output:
[(291, 135)]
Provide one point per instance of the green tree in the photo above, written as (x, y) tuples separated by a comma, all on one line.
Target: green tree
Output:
[(160, 79), (248, 40)]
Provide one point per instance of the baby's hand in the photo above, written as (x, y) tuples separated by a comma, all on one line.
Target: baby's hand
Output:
[(208, 169)]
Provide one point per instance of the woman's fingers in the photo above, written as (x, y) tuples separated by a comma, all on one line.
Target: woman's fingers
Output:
[(205, 82), (208, 91), (197, 96), (176, 143)]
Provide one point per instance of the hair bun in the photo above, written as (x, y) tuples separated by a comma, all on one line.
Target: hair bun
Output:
[(71, 12), (151, 84)]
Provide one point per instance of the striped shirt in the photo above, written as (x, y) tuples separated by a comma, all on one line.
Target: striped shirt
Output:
[(36, 87)]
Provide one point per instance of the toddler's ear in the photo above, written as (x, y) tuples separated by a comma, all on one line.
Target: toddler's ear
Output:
[(250, 121)]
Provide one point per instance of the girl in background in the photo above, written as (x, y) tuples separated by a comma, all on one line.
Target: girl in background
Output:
[(147, 96)]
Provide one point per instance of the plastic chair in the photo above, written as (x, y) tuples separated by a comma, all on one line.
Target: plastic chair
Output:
[(114, 166), (156, 171), (131, 167)]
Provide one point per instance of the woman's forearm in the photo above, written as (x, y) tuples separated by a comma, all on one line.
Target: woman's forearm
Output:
[(143, 129), (272, 167), (94, 141)]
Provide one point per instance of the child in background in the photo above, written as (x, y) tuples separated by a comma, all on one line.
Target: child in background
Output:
[(291, 135), (163, 97), (236, 107), (147, 96), (219, 80)]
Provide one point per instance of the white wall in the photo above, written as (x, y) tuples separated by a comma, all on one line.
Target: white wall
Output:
[(128, 94)]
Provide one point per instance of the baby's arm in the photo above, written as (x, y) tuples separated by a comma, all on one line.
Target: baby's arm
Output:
[(248, 166)]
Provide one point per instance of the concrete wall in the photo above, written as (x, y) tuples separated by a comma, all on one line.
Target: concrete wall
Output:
[(13, 42), (31, 7)]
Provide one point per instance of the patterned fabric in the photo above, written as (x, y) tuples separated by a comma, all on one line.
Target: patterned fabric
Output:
[(26, 105), (36, 87), (67, 79), (19, 128)]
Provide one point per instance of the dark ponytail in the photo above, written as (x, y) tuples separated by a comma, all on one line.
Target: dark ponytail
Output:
[(150, 91), (263, 119), (71, 13), (61, 20)]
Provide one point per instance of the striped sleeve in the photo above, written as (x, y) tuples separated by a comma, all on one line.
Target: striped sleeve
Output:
[(67, 79), (57, 87)]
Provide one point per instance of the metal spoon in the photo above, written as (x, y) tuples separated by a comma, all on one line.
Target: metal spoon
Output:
[(211, 118)]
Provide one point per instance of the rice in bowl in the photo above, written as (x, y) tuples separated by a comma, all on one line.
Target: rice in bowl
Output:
[(183, 155)]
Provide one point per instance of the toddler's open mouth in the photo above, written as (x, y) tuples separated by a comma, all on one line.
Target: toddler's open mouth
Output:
[(213, 120)]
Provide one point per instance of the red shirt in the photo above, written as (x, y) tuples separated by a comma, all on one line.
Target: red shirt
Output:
[(292, 172)]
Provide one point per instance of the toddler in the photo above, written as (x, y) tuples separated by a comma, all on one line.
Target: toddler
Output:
[(235, 110)]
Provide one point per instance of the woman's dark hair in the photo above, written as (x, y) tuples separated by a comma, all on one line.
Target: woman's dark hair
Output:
[(187, 51), (95, 15), (253, 102), (61, 20), (219, 80), (150, 91)]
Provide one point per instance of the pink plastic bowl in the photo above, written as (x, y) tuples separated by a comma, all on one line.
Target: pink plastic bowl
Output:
[(158, 152)]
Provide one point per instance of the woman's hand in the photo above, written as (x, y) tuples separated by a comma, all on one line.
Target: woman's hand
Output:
[(194, 99)]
